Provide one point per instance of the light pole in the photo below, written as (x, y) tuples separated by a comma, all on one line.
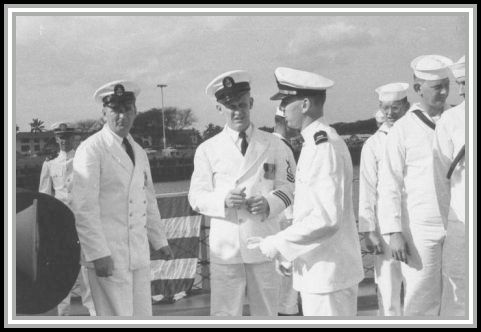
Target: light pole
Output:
[(162, 86)]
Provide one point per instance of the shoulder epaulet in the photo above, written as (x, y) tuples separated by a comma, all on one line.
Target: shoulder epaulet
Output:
[(320, 137)]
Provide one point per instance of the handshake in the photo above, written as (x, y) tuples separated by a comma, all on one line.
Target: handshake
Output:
[(257, 204), (269, 250)]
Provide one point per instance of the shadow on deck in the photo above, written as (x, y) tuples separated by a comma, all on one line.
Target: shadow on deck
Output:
[(197, 303)]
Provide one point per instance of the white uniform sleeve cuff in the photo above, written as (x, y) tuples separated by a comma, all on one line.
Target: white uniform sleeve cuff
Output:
[(278, 202)]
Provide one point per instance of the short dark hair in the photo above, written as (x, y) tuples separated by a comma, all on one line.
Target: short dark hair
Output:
[(279, 120), (318, 96)]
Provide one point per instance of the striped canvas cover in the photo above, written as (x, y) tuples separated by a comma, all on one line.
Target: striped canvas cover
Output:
[(172, 278)]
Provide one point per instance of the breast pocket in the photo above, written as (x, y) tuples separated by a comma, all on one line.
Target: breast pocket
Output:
[(223, 174), (57, 174)]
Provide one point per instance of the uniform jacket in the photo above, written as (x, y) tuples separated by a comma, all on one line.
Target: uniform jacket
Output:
[(220, 167), (406, 181), (323, 240), (56, 178), (114, 202), (371, 156), (448, 141)]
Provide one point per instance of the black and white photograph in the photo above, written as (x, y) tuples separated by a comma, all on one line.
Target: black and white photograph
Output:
[(221, 165)]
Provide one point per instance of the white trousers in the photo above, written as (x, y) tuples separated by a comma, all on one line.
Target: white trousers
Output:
[(454, 270), (389, 278), (80, 288), (340, 303), (230, 283), (125, 293), (422, 274), (287, 297)]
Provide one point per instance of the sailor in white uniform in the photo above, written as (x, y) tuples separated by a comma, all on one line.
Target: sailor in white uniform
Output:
[(242, 181), (393, 105), (288, 296), (56, 180), (380, 118), (322, 241), (116, 210), (449, 177), (408, 209)]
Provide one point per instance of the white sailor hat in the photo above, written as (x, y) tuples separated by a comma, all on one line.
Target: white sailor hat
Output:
[(229, 85), (392, 91), (117, 92), (459, 68), (431, 67), (280, 112), (297, 82), (63, 127), (380, 116)]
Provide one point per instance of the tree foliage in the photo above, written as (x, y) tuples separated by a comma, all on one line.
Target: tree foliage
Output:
[(368, 126), (89, 125), (210, 131), (150, 122), (36, 126)]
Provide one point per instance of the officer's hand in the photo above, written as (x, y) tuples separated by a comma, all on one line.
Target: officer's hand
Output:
[(399, 247), (258, 205), (268, 248), (235, 198), (284, 268), (373, 243), (165, 253), (104, 266)]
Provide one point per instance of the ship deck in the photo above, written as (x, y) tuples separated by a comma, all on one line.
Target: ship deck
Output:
[(197, 303)]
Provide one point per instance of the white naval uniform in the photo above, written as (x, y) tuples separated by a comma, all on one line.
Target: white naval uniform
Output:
[(220, 167), (323, 242), (116, 215), (408, 204), (288, 296), (56, 180), (448, 141), (387, 271)]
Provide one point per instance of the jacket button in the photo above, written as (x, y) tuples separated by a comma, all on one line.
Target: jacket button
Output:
[(130, 214), (143, 215), (145, 202), (241, 220), (130, 201)]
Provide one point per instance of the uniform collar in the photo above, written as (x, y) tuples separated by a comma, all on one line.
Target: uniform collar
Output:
[(419, 106), (62, 155), (235, 134), (384, 128), (308, 132), (278, 135), (116, 137)]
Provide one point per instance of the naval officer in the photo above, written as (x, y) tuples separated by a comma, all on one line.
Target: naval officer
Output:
[(393, 104), (288, 296), (242, 181), (408, 209), (56, 180), (115, 208), (322, 241), (449, 176)]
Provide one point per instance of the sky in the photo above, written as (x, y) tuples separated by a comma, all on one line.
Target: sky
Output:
[(61, 60)]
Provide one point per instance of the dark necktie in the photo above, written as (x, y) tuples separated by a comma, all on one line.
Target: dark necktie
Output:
[(243, 136), (129, 150)]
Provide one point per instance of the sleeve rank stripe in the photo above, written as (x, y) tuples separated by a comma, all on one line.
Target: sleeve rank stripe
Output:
[(283, 196)]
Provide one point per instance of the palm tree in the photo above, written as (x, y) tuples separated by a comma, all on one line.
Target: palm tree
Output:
[(36, 126)]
